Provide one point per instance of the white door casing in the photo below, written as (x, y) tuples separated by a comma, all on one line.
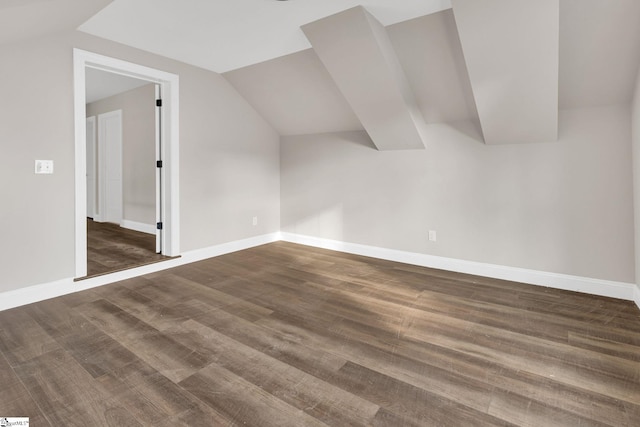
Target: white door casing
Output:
[(169, 130)]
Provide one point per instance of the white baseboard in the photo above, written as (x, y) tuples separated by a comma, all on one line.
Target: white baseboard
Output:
[(138, 226), (35, 293), (226, 248), (607, 288), (620, 290)]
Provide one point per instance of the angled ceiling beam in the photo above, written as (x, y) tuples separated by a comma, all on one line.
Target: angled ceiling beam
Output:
[(356, 50), (511, 50)]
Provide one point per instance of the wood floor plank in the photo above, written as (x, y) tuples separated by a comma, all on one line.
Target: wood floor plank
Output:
[(526, 412), (155, 398), (154, 290), (286, 382), (22, 338), (290, 348), (15, 400), (632, 413), (577, 367), (200, 415), (475, 394), (612, 343), (242, 402), (513, 381), (211, 297), (404, 404), (283, 334), (145, 309), (465, 284), (59, 320), (525, 396), (65, 395), (283, 346), (98, 353), (147, 343), (517, 295), (552, 326), (204, 272)]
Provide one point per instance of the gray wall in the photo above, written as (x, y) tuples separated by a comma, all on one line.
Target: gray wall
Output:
[(138, 147), (563, 207), (229, 158)]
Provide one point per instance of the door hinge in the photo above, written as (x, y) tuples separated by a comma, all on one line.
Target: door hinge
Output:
[(158, 102), (159, 226), (158, 163)]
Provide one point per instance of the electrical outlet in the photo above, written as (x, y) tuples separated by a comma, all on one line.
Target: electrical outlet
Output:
[(255, 220), (44, 166), (432, 235)]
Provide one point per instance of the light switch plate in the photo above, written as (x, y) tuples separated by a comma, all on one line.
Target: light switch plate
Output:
[(44, 166)]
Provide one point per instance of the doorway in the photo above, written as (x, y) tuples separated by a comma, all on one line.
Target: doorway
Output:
[(122, 131), (121, 174), (166, 154)]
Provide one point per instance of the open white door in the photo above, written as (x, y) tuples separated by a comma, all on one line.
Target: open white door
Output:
[(159, 223)]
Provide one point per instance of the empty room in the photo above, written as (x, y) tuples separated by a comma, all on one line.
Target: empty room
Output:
[(320, 213)]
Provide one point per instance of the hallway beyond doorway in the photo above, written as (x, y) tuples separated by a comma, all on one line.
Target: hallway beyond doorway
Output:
[(111, 248)]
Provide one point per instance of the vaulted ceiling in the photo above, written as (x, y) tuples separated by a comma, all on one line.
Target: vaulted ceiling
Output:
[(222, 35), (598, 56), (492, 64)]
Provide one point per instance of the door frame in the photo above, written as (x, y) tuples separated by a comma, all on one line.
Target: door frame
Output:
[(169, 133)]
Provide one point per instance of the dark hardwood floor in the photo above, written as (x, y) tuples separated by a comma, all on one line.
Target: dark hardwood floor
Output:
[(112, 248), (286, 335)]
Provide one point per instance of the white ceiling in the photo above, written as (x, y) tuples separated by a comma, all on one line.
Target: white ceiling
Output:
[(223, 35), (599, 57), (296, 94), (24, 19), (264, 54)]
